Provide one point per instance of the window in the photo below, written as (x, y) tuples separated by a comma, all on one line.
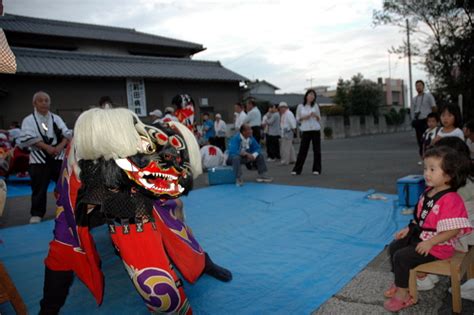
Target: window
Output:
[(204, 102), (136, 96), (395, 98)]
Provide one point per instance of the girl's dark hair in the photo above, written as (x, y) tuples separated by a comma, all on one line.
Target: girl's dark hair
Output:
[(306, 96), (453, 164), (433, 115), (470, 125), (458, 145), (455, 111)]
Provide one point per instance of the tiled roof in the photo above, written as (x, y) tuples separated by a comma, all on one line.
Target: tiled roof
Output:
[(24, 24), (292, 99), (64, 63)]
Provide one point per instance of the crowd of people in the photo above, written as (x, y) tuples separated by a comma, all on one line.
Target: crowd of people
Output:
[(446, 147), (276, 129), (444, 216)]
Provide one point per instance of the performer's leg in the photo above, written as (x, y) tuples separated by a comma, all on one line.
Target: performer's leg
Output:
[(183, 249), (55, 290), (216, 271), (145, 259)]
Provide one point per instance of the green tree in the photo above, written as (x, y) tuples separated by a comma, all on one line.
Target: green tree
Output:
[(445, 42), (342, 95), (358, 96)]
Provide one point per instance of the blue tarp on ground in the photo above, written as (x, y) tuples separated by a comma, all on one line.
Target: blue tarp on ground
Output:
[(20, 186), (289, 248)]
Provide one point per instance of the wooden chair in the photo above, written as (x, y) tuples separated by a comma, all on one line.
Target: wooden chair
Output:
[(9, 293), (455, 267)]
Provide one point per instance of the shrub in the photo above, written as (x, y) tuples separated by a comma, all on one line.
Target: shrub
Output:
[(395, 118), (327, 132), (335, 110)]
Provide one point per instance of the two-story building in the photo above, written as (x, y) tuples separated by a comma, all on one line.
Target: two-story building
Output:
[(77, 63)]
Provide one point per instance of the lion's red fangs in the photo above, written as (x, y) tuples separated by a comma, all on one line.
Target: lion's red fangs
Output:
[(151, 180)]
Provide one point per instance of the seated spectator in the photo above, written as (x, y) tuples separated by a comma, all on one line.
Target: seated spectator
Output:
[(243, 148), (469, 134), (211, 156), (467, 193), (431, 132), (156, 116), (169, 115), (451, 123)]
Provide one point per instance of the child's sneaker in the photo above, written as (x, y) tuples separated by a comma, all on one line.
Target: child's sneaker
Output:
[(424, 284)]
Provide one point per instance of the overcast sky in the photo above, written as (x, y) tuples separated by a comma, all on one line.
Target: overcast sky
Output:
[(290, 44)]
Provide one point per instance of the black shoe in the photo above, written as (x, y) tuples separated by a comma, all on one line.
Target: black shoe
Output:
[(216, 271)]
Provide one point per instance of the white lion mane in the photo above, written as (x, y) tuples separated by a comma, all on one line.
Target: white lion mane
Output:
[(112, 134)]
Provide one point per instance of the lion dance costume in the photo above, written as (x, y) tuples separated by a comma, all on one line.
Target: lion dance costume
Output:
[(125, 174)]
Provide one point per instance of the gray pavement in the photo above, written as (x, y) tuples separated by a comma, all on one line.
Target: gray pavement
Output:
[(361, 163)]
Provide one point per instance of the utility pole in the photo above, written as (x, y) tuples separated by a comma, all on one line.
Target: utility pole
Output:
[(409, 61), (389, 67), (310, 80)]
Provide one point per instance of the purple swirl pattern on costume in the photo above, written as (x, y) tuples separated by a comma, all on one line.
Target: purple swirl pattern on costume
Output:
[(165, 211), (65, 223), (158, 289)]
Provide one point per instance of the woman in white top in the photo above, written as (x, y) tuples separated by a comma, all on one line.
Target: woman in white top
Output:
[(308, 115), (220, 128), (451, 121)]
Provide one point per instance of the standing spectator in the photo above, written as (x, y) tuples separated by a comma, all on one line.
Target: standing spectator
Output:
[(211, 156), (243, 148), (239, 116), (46, 134), (169, 115), (156, 116), (208, 128), (421, 106), (254, 119), (288, 128), (469, 134), (272, 119), (308, 115), (220, 128)]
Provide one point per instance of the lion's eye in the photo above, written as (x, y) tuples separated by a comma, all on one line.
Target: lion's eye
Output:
[(176, 142), (147, 147)]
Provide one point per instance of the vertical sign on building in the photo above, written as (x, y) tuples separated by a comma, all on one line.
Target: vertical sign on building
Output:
[(136, 96)]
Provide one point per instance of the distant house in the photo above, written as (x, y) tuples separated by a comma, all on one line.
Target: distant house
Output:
[(394, 93), (78, 63), (265, 91), (261, 87)]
